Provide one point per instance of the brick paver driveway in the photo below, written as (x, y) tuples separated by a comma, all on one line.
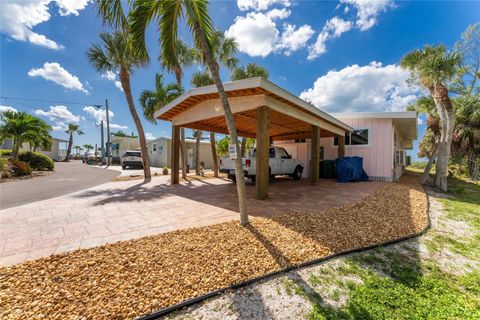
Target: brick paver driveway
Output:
[(126, 210)]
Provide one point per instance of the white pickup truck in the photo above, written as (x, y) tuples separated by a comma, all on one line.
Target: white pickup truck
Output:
[(280, 163)]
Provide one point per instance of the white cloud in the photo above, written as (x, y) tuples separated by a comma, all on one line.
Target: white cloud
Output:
[(257, 35), (68, 7), (54, 72), (60, 116), (149, 136), (278, 13), (292, 40), (332, 29), (118, 84), (117, 126), (19, 17), (259, 5), (422, 119), (7, 108), (100, 114), (373, 87), (110, 75), (368, 10)]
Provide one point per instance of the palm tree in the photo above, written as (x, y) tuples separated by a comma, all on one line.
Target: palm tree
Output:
[(115, 54), (433, 67), (88, 147), (22, 127), (152, 101), (71, 129), (40, 137), (78, 149), (224, 50), (466, 136), (252, 70), (168, 14), (427, 105), (184, 57), (201, 79)]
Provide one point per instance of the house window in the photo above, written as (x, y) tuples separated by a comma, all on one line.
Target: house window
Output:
[(322, 153), (300, 140), (400, 157), (154, 147), (359, 137)]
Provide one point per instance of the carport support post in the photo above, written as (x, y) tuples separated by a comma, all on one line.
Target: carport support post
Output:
[(315, 162), (175, 171), (262, 153), (341, 146)]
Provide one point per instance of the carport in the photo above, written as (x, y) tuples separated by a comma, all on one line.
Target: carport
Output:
[(263, 111)]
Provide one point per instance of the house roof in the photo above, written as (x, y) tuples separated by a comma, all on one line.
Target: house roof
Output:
[(405, 122), (169, 138), (241, 88)]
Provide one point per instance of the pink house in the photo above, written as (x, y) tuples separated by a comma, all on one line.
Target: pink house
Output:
[(379, 138)]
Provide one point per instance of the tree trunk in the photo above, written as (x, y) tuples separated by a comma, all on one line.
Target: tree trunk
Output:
[(69, 148), (244, 147), (15, 149), (232, 130), (428, 168), (447, 124), (197, 152), (125, 81), (473, 166), (214, 154), (183, 145)]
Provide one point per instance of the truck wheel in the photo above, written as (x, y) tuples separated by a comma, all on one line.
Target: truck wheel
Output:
[(233, 178), (297, 174), (124, 167)]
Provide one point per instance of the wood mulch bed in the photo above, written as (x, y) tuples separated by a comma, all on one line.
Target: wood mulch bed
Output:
[(132, 278)]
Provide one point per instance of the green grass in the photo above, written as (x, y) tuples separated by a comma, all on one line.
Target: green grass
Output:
[(398, 284)]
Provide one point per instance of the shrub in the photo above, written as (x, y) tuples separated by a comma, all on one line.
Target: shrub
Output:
[(21, 168), (5, 153), (37, 161)]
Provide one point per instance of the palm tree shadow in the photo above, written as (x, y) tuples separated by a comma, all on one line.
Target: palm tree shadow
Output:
[(307, 290)]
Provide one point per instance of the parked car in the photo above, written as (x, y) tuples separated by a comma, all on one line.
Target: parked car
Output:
[(280, 163), (132, 159), (88, 156)]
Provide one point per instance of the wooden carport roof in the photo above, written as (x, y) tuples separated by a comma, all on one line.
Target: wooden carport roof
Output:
[(290, 116)]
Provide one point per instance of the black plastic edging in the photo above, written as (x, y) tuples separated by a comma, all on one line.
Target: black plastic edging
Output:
[(165, 311)]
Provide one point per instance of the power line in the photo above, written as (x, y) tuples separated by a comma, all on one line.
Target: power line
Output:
[(50, 101)]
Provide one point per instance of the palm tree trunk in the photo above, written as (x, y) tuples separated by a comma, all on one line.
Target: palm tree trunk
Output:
[(213, 66), (69, 148), (125, 81), (214, 154), (15, 149), (197, 152), (244, 146), (428, 168), (447, 119), (473, 166), (183, 146)]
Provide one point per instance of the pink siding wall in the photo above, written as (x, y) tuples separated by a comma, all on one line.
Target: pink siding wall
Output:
[(377, 156)]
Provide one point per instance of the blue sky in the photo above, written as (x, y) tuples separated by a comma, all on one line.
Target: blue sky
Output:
[(340, 55)]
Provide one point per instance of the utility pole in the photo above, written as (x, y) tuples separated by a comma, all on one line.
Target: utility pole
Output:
[(108, 135), (102, 148)]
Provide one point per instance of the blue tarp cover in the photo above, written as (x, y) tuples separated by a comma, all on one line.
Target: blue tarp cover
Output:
[(350, 169)]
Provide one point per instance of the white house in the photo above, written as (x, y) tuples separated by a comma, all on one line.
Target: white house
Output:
[(160, 150), (57, 150)]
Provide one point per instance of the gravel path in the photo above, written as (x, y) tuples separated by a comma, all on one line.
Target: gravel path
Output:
[(132, 278)]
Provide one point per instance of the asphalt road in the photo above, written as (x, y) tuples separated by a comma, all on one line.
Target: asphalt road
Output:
[(68, 177)]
